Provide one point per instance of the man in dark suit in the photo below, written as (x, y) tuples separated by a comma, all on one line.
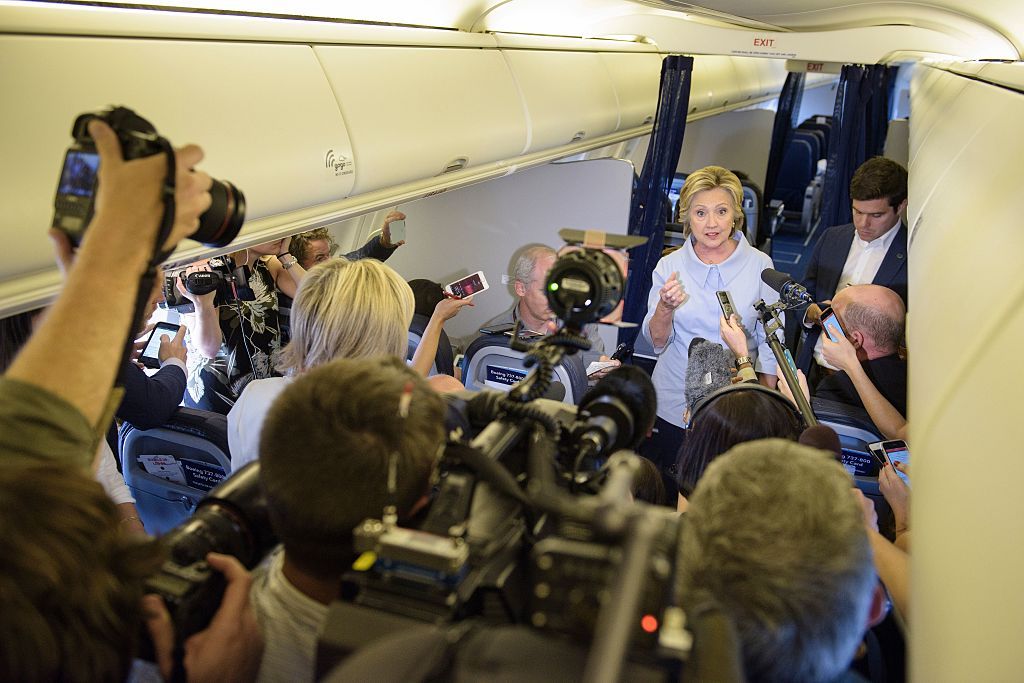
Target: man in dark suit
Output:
[(870, 250)]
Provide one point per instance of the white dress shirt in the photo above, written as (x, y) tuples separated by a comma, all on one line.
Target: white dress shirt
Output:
[(862, 264)]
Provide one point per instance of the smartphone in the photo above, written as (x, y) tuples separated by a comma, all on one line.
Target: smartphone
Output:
[(725, 301), (832, 325), (397, 229), (468, 286), (896, 451), (151, 353), (891, 452), (498, 329)]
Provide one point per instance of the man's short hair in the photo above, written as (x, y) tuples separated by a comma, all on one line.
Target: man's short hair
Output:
[(774, 535), (879, 178), (884, 330), (522, 268), (71, 579), (325, 451), (299, 245)]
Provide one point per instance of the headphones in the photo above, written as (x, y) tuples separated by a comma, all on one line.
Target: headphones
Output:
[(791, 410)]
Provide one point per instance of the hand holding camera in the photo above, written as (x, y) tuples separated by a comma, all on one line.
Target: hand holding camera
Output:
[(126, 192)]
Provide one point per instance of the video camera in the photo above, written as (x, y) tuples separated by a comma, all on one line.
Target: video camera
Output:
[(231, 283)]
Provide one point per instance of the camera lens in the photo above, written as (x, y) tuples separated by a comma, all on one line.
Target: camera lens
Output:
[(584, 286), (220, 224)]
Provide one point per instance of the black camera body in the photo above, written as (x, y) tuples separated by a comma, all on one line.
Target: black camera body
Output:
[(231, 283), (74, 203), (584, 286), (233, 520)]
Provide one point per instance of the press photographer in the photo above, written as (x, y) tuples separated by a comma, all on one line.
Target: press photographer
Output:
[(54, 409)]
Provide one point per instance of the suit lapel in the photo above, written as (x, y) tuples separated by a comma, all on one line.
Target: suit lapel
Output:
[(895, 259), (839, 250)]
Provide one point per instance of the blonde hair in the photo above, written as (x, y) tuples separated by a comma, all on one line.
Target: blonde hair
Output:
[(348, 309), (708, 178)]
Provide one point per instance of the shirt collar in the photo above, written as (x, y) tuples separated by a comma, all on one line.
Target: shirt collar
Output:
[(728, 269), (882, 242)]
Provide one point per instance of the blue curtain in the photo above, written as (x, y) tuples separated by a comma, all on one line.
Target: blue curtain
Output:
[(782, 132), (859, 125), (649, 209)]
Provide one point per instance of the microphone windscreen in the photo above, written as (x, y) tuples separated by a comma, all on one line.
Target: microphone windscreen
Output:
[(707, 371), (823, 437), (634, 388), (775, 279)]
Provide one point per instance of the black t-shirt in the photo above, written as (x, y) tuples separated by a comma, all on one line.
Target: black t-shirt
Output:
[(888, 374)]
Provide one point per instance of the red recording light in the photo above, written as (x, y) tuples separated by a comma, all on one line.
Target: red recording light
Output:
[(649, 623)]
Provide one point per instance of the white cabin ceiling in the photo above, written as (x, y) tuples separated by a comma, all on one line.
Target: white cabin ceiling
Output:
[(978, 29)]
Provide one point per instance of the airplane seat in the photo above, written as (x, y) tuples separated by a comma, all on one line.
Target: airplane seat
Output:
[(852, 424), (444, 359), (169, 469), (856, 431), (798, 187), (752, 201), (490, 363), (824, 128), (813, 138)]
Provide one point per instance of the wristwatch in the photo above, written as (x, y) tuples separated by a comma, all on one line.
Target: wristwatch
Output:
[(287, 260), (743, 360)]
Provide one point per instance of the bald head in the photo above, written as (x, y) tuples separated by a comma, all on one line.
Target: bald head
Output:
[(877, 313)]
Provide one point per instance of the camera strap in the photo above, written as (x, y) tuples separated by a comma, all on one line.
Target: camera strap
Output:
[(158, 255)]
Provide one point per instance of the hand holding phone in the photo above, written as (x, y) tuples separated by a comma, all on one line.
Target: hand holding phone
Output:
[(831, 324), (468, 286), (890, 453), (397, 231), (150, 356)]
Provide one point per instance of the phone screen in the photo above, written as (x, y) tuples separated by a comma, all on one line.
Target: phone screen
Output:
[(897, 452), (833, 329), (397, 229), (150, 356), (79, 174), (468, 286)]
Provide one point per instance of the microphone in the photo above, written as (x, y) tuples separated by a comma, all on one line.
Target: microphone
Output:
[(707, 370), (620, 411), (790, 291)]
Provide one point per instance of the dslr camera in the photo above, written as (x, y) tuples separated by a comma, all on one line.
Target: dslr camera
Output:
[(229, 281), (76, 191)]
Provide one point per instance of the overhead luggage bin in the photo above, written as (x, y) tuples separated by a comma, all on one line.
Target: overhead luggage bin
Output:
[(268, 102), (637, 81), (414, 113), (578, 105)]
